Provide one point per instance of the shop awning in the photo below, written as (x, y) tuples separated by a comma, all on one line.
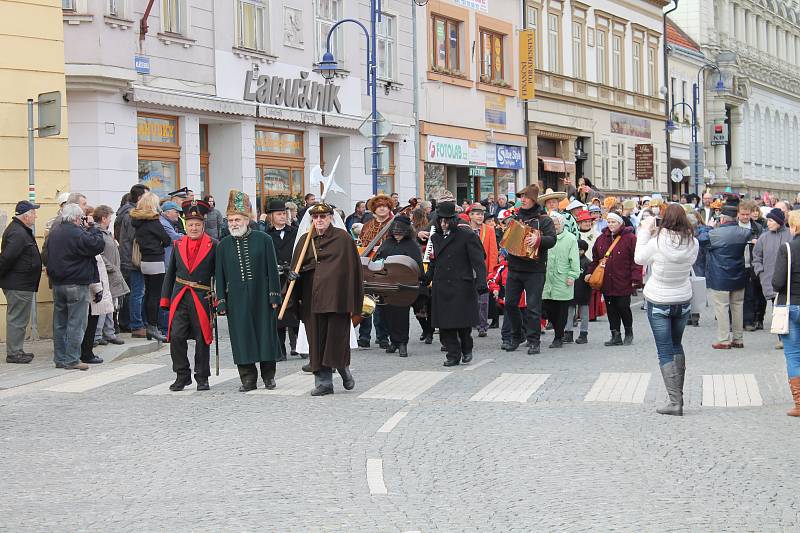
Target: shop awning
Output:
[(556, 164)]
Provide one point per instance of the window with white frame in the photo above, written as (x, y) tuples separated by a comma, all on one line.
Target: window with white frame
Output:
[(652, 70), (250, 15), (68, 5), (577, 49), (602, 58), (605, 163), (116, 8), (621, 165), (616, 61), (386, 36), (326, 14), (553, 44), (533, 24), (173, 16), (637, 67)]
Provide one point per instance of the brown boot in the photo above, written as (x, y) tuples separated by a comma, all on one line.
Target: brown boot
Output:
[(794, 384), (139, 333)]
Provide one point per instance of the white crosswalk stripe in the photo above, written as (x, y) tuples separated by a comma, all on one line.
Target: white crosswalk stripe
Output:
[(291, 385), (731, 390), (162, 389), (619, 387), (511, 388), (99, 379), (406, 385)]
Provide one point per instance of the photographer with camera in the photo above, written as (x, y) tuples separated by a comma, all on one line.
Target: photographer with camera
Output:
[(70, 254)]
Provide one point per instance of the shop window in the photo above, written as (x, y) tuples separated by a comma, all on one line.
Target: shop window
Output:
[(435, 180), (491, 56), (326, 14), (173, 16), (279, 166), (387, 46), (504, 177), (386, 179), (159, 153), (250, 18), (446, 44), (204, 160)]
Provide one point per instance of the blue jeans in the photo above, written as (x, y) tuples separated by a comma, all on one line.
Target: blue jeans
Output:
[(381, 330), (791, 342), (136, 298), (70, 316), (668, 323)]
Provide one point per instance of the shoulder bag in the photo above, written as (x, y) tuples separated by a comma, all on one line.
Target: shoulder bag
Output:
[(596, 279), (136, 255), (780, 313)]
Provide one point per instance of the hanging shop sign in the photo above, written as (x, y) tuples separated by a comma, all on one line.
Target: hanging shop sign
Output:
[(297, 93), (719, 134), (448, 151), (643, 161), (527, 64), (509, 156)]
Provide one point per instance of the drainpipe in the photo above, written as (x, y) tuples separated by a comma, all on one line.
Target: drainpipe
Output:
[(526, 125), (666, 94), (415, 91), (143, 23)]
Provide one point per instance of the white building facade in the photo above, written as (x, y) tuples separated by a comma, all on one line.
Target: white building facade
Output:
[(756, 44), (219, 95)]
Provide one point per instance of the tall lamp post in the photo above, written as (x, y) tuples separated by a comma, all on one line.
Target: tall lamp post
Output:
[(671, 126), (328, 68)]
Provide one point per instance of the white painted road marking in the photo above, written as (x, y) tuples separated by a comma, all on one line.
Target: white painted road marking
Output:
[(479, 364), (291, 385), (731, 390), (406, 385), (375, 476), (162, 389), (619, 387), (99, 379), (390, 424), (511, 388)]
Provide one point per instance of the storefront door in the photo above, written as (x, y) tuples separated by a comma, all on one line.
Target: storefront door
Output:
[(159, 153), (279, 166)]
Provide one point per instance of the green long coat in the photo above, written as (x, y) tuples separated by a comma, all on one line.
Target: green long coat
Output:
[(563, 262), (247, 286)]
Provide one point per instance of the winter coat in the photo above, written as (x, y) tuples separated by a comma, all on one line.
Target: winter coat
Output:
[(124, 233), (456, 272), (20, 260), (764, 254), (588, 236), (622, 272), (724, 247), (407, 246), (116, 281), (537, 218), (70, 251), (106, 304), (583, 293), (150, 235), (489, 242), (214, 223), (173, 234), (669, 263), (779, 276), (563, 263)]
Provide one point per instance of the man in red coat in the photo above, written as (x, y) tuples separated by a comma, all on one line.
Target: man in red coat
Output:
[(187, 284)]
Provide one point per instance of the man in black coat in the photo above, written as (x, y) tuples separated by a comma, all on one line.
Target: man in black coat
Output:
[(283, 237), (20, 272), (70, 253), (528, 275), (187, 284), (457, 273)]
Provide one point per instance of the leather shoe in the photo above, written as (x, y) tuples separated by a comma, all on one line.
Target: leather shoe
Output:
[(384, 344), (93, 360), (115, 340), (322, 391), (450, 362), (737, 344), (392, 348), (247, 387), (481, 334), (466, 358), (20, 359), (182, 382), (533, 349), (363, 344), (202, 384), (294, 352), (429, 340), (348, 382), (73, 366), (306, 367), (721, 346), (270, 384), (512, 346), (139, 333)]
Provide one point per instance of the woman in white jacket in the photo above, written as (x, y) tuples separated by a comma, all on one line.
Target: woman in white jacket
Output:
[(668, 251)]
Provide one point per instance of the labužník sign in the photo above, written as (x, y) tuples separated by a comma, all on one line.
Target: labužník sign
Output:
[(298, 93)]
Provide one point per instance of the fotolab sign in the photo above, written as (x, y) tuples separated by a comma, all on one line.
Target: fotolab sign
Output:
[(447, 151)]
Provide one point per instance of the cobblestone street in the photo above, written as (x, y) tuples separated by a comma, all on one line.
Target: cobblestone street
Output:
[(564, 441)]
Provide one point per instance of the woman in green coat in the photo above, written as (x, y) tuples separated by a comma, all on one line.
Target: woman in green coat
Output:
[(563, 268)]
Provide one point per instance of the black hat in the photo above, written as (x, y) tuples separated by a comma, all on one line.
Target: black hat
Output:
[(195, 209), (24, 206), (777, 215), (731, 207), (401, 223), (446, 210), (276, 205), (583, 245), (320, 209), (181, 193)]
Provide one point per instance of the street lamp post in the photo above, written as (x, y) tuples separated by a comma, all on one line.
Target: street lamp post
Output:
[(328, 68)]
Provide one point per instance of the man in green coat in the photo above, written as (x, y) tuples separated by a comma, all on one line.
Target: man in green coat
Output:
[(249, 293)]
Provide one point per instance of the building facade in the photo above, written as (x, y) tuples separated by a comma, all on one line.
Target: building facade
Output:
[(215, 96), (472, 129), (598, 94), (756, 44)]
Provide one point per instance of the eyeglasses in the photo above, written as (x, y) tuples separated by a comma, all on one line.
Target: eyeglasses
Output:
[(319, 216)]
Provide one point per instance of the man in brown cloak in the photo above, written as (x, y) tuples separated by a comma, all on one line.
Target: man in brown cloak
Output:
[(330, 292)]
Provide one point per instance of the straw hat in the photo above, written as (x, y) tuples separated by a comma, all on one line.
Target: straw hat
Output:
[(549, 194)]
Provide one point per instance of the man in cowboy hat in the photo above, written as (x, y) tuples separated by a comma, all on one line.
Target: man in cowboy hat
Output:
[(187, 284), (525, 274), (329, 291), (381, 207), (283, 237), (249, 292)]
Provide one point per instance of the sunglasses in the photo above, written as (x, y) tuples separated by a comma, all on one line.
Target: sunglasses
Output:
[(319, 216)]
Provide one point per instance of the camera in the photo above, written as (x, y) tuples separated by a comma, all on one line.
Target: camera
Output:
[(658, 221)]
